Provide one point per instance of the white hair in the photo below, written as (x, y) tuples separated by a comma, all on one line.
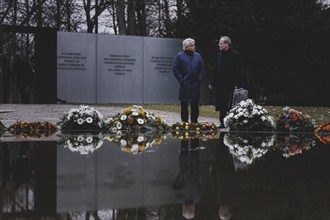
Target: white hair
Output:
[(226, 39), (188, 213), (186, 42)]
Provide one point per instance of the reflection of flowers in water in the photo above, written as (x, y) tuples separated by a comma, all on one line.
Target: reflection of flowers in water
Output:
[(248, 116), (324, 138), (291, 120), (24, 129), (136, 143), (82, 118), (135, 118), (185, 130), (291, 145), (246, 147), (82, 143), (322, 132)]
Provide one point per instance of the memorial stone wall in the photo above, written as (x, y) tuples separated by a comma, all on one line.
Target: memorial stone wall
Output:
[(99, 68)]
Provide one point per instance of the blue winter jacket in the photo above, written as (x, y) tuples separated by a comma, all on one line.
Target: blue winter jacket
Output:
[(188, 68)]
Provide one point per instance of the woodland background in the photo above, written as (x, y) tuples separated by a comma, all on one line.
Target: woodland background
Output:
[(284, 43)]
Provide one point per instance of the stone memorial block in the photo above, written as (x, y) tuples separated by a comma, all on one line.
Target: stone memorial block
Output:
[(160, 85), (119, 178), (76, 75), (119, 69), (76, 186), (160, 168)]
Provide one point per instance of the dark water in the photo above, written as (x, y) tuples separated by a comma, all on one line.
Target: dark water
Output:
[(245, 176)]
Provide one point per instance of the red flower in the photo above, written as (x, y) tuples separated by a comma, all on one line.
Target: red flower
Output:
[(294, 117)]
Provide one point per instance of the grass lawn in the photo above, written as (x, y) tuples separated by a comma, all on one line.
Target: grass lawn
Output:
[(319, 114)]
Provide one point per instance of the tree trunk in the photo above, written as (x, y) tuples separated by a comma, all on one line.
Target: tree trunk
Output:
[(131, 18), (120, 9), (58, 14), (141, 18)]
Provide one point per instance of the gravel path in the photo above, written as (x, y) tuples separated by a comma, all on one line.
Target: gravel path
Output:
[(10, 113)]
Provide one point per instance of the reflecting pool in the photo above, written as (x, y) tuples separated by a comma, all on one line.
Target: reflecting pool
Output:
[(165, 176)]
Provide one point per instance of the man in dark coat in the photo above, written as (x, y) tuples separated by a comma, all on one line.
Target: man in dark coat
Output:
[(228, 74), (188, 68), (187, 184)]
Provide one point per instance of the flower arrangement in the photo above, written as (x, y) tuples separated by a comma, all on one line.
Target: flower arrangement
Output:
[(2, 128), (83, 143), (324, 127), (82, 118), (135, 118), (248, 116), (136, 143), (189, 130), (291, 120), (291, 145), (322, 132), (25, 129), (246, 147)]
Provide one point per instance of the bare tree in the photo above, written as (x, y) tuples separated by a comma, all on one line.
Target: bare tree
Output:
[(120, 12)]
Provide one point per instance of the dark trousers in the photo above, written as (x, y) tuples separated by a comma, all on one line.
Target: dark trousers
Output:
[(194, 107), (223, 113)]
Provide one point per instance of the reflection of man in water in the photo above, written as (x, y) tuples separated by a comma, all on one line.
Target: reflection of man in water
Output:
[(22, 167), (225, 179), (187, 184)]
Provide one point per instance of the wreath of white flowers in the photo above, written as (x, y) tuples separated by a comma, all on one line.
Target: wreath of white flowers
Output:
[(82, 143), (246, 115), (247, 148), (82, 118)]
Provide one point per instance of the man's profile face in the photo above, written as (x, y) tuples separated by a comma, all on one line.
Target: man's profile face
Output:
[(190, 47), (223, 46)]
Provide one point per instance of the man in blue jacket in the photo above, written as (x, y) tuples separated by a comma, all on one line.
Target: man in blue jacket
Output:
[(188, 68)]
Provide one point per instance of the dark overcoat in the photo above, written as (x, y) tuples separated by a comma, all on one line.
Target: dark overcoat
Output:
[(228, 74), (188, 68)]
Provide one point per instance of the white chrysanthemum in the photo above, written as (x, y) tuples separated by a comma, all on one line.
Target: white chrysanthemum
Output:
[(89, 120), (140, 121), (140, 139), (135, 113), (80, 121), (89, 140), (123, 117), (150, 116), (80, 138), (123, 142), (135, 148), (119, 125)]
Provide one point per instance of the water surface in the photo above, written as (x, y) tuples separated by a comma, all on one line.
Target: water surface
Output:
[(158, 176)]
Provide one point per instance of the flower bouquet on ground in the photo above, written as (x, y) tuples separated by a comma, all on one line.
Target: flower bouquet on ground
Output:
[(136, 143), (135, 118), (85, 143), (2, 128), (322, 132), (247, 116), (246, 147), (185, 130), (83, 118), (25, 129), (291, 145), (291, 120)]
